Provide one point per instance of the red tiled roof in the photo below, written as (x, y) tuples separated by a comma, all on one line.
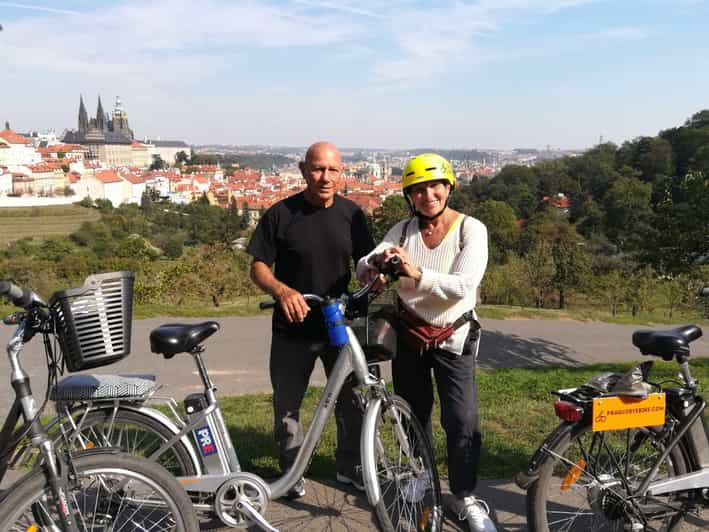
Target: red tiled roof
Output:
[(60, 148), (133, 178), (13, 138), (107, 176)]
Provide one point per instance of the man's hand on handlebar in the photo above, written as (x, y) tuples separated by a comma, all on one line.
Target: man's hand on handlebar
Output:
[(293, 304)]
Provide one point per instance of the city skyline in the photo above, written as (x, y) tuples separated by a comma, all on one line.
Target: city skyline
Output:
[(496, 74)]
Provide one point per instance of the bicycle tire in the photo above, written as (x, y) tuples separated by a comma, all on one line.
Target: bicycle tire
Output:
[(144, 497), (409, 488), (592, 495), (137, 434)]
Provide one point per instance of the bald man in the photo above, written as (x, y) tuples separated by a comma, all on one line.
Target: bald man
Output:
[(311, 237)]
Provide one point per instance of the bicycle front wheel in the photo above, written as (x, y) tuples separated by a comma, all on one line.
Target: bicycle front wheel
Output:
[(111, 491), (587, 481), (400, 476)]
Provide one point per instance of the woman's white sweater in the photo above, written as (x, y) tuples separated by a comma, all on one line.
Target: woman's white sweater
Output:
[(450, 275)]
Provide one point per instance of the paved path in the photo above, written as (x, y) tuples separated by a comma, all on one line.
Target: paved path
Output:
[(237, 358)]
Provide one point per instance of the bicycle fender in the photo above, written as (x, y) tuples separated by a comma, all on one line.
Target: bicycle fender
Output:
[(160, 418), (526, 478), (366, 445)]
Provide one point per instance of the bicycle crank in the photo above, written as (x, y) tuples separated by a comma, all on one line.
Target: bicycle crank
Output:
[(242, 500)]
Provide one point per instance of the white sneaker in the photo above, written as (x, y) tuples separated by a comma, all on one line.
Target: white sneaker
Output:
[(475, 511)]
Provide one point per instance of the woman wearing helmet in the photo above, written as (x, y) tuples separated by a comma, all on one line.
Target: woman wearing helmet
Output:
[(443, 258)]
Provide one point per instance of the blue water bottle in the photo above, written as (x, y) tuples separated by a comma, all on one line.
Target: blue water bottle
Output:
[(335, 321)]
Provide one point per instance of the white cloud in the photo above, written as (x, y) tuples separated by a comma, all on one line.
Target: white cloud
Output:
[(137, 38), (34, 7)]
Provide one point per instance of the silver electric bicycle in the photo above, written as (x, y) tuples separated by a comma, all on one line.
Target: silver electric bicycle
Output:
[(99, 490), (630, 454), (399, 473)]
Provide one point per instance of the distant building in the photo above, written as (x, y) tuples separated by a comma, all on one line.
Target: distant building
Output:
[(141, 154), (107, 138), (16, 150), (168, 149), (5, 181)]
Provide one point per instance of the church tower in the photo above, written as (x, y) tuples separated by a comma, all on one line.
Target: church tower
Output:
[(119, 121), (100, 117), (83, 116)]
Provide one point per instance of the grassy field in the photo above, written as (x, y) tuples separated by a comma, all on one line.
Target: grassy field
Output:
[(20, 222), (248, 306), (516, 409)]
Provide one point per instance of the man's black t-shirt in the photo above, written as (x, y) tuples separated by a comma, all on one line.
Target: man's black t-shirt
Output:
[(312, 248)]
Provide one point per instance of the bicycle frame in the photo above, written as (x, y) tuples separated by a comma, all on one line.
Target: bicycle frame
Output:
[(351, 359)]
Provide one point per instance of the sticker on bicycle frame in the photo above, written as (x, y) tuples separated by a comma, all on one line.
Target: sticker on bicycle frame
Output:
[(614, 413), (205, 441)]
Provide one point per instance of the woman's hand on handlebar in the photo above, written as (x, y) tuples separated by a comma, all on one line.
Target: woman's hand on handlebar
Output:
[(402, 265), (293, 304)]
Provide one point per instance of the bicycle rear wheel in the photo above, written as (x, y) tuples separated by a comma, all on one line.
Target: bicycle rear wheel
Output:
[(585, 485), (133, 433), (111, 491), (397, 461)]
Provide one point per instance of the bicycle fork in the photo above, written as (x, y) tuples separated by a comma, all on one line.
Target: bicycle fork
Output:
[(55, 470)]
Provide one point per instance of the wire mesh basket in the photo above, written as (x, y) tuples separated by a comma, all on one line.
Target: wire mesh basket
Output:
[(93, 323)]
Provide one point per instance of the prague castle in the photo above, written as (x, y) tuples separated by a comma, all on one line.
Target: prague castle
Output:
[(107, 137)]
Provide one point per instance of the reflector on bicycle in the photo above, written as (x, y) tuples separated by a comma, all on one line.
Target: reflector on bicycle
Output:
[(615, 413), (425, 518), (573, 475)]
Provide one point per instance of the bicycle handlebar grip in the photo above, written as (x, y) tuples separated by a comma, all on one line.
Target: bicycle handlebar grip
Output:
[(704, 292), (266, 305), (20, 297)]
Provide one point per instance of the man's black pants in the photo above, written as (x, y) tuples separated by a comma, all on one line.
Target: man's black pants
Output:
[(292, 362), (455, 381)]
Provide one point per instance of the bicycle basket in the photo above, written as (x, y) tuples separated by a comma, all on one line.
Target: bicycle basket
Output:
[(93, 323), (376, 335)]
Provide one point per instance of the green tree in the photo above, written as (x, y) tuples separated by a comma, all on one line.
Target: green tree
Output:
[(158, 163), (642, 285), (503, 229), (627, 208), (214, 274), (389, 213), (245, 218), (539, 272), (146, 203), (181, 157), (572, 266)]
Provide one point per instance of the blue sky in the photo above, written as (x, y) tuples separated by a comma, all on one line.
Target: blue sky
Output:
[(362, 73)]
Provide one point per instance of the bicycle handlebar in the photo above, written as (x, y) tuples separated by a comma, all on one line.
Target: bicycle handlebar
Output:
[(704, 292), (20, 297), (388, 269)]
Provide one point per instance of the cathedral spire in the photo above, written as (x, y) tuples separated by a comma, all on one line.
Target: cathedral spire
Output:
[(83, 116), (100, 116)]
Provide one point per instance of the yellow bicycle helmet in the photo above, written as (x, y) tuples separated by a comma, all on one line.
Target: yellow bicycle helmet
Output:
[(427, 167)]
